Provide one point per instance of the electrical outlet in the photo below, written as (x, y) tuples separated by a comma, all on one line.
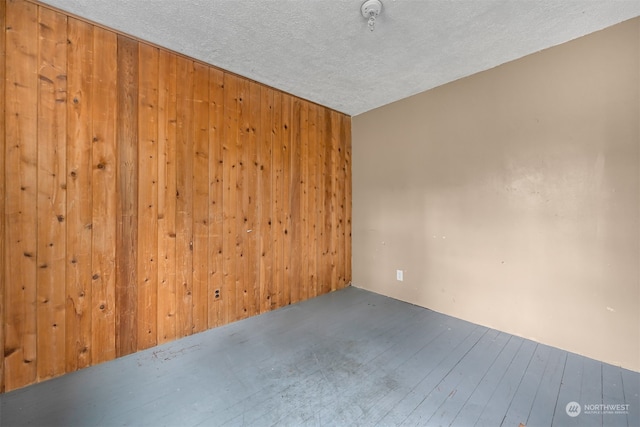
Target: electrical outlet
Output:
[(399, 275)]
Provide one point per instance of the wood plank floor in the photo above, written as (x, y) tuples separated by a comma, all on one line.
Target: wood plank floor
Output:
[(347, 358)]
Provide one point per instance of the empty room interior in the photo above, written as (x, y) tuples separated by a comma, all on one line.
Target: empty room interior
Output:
[(319, 213)]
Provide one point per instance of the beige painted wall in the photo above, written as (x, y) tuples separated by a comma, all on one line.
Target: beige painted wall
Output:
[(511, 198)]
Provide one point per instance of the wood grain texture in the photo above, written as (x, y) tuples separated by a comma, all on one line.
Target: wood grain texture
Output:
[(216, 305), (127, 201), (184, 198), (252, 272), (166, 197), (148, 196), (327, 210), (287, 208), (230, 195), (147, 280), (264, 194), (241, 169), (52, 88), (304, 242), (332, 195), (79, 195), (200, 208), (278, 213), (313, 228), (348, 196), (3, 9), (103, 180), (340, 178), (320, 223), (294, 236), (21, 193)]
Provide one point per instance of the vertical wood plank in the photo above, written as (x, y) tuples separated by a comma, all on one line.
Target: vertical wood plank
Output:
[(127, 200), (327, 230), (241, 281), (230, 195), (312, 200), (200, 196), (287, 108), (79, 203), (21, 157), (216, 138), (103, 262), (320, 159), (252, 234), (295, 215), (51, 193), (147, 220), (333, 177), (340, 179), (184, 202), (265, 152), (166, 197), (278, 215), (304, 239), (3, 193), (347, 200)]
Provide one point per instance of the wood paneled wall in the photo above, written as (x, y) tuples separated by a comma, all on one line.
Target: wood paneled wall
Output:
[(147, 196)]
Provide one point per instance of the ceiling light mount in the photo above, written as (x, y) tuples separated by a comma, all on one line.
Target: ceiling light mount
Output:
[(370, 10)]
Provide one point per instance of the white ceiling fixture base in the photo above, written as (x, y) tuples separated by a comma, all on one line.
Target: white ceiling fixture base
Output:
[(370, 10)]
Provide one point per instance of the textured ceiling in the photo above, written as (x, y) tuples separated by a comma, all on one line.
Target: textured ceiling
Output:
[(321, 50)]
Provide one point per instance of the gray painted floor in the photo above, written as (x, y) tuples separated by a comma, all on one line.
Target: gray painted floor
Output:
[(347, 358)]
